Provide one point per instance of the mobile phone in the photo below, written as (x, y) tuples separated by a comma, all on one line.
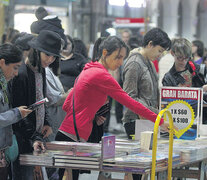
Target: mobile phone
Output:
[(38, 103)]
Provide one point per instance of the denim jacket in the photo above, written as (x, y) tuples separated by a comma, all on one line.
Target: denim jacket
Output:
[(7, 118)]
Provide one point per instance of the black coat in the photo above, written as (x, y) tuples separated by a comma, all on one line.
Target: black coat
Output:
[(173, 78), (53, 24), (70, 69), (23, 92)]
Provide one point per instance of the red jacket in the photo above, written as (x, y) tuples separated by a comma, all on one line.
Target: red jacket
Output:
[(91, 90)]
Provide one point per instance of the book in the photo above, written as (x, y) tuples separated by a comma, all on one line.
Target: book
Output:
[(146, 140), (86, 166), (40, 159), (74, 146), (78, 155), (37, 104), (76, 161)]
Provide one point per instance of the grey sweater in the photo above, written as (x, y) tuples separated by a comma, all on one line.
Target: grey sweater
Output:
[(140, 81), (7, 118)]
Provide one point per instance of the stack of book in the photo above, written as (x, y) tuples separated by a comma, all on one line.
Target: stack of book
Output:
[(192, 150), (39, 159), (76, 154), (134, 162), (67, 146), (127, 146), (77, 159)]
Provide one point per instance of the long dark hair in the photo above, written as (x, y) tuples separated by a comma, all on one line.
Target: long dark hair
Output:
[(55, 66), (80, 47), (111, 44), (96, 52), (200, 47), (35, 61)]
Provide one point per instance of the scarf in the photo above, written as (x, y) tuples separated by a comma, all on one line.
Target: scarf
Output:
[(3, 86)]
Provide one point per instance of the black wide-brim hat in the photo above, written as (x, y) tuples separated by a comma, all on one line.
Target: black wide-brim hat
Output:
[(48, 42)]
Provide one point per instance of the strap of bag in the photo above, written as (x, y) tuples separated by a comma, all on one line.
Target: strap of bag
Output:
[(74, 120)]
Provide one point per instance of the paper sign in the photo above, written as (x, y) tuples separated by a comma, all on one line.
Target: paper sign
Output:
[(182, 114), (193, 98)]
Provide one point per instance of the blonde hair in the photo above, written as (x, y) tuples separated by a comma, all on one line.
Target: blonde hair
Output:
[(181, 48)]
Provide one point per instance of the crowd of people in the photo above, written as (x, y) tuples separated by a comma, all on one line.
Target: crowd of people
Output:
[(48, 63)]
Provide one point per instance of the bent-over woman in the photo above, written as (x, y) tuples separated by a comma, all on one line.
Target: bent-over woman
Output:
[(90, 92)]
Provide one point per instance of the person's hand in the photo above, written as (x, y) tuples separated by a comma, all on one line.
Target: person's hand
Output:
[(46, 131), (165, 127), (204, 88), (69, 90), (140, 117), (39, 146), (24, 111), (100, 120)]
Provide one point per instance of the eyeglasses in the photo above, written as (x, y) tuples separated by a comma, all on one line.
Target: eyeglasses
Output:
[(182, 58)]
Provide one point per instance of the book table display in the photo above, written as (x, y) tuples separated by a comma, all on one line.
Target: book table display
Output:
[(128, 157)]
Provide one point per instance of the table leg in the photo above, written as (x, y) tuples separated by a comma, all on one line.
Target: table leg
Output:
[(162, 175), (68, 174), (128, 176), (203, 170)]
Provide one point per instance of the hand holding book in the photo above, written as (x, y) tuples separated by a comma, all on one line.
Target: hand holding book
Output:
[(38, 103)]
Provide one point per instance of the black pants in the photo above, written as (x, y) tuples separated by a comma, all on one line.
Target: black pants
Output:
[(118, 106), (106, 122), (61, 137), (118, 112), (130, 130)]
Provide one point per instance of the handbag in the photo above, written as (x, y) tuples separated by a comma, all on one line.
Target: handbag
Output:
[(12, 152)]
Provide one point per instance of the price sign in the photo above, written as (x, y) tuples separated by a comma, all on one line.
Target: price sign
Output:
[(182, 114)]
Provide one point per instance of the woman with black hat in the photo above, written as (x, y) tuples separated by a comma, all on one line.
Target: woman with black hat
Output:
[(27, 88)]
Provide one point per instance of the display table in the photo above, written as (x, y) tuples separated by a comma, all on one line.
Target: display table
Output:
[(190, 153)]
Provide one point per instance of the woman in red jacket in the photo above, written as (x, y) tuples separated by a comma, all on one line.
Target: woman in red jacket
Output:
[(90, 92)]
